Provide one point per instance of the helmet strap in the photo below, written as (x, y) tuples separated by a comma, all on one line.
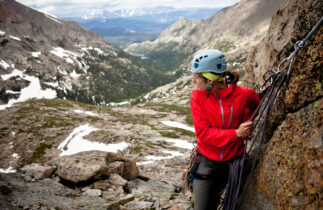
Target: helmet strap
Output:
[(208, 88)]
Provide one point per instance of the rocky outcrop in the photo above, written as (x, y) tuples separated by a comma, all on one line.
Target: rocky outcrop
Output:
[(287, 175), (94, 165), (82, 167), (36, 171), (128, 169)]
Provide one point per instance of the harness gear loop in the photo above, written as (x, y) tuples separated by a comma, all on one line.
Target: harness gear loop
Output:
[(191, 172)]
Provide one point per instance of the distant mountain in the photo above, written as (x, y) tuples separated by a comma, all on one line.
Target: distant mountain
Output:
[(108, 27), (234, 30), (41, 51), (158, 14), (138, 24)]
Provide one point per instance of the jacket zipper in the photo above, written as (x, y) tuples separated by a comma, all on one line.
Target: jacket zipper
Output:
[(223, 126)]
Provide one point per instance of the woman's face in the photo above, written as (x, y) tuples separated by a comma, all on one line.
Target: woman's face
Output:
[(199, 82)]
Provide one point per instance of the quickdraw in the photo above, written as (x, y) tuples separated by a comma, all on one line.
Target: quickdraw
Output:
[(194, 162)]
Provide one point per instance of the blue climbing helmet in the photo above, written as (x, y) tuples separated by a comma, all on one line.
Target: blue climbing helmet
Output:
[(209, 61)]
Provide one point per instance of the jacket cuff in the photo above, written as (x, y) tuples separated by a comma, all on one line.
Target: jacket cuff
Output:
[(233, 135)]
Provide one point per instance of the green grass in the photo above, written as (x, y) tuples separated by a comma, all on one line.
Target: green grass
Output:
[(185, 132), (55, 103), (137, 149), (169, 134), (172, 107), (150, 144), (40, 151)]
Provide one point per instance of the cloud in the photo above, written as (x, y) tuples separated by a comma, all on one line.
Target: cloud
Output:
[(63, 8)]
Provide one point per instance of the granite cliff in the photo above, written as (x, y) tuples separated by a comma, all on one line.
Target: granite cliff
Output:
[(289, 173)]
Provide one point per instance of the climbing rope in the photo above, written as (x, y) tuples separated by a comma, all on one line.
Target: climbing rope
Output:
[(273, 83)]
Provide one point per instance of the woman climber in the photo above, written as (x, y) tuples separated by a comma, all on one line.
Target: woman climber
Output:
[(221, 110)]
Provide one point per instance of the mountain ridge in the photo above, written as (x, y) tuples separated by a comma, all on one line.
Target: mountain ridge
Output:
[(213, 32), (78, 60)]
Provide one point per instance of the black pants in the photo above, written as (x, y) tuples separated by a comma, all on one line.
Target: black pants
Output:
[(211, 179)]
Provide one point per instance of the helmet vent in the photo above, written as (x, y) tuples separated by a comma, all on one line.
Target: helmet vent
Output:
[(210, 60)]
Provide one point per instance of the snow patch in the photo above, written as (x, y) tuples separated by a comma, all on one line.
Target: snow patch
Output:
[(12, 92), (52, 18), (75, 142), (15, 155), (119, 104), (4, 64), (52, 84), (2, 33), (68, 60), (62, 53), (8, 170), (74, 74), (147, 96), (100, 52), (69, 56), (60, 71), (15, 38), (181, 143), (14, 73), (36, 54), (178, 125), (152, 158), (32, 91), (86, 112)]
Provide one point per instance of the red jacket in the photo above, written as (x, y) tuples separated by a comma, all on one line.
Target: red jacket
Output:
[(215, 126)]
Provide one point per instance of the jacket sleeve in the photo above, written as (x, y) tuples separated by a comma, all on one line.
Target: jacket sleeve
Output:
[(253, 100), (216, 137)]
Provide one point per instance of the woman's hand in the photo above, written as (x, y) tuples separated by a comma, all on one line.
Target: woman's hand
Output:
[(244, 129)]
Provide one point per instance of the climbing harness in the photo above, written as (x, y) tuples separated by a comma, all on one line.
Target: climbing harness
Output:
[(269, 91)]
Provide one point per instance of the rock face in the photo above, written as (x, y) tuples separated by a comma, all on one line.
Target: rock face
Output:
[(288, 173)]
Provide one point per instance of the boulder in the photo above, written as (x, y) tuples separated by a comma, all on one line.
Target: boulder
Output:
[(102, 185), (117, 180), (83, 166), (130, 169), (37, 171), (126, 199), (93, 192), (116, 167), (139, 205)]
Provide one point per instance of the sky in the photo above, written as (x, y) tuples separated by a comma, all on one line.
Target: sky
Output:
[(63, 8)]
